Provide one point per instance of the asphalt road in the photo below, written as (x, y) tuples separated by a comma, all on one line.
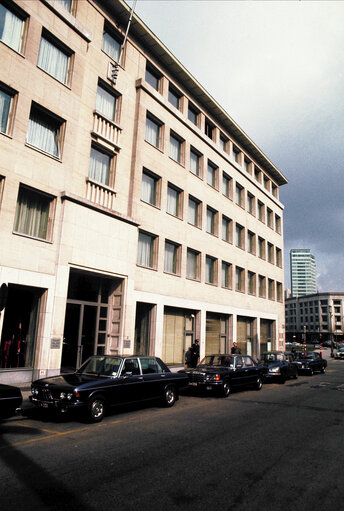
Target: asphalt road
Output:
[(278, 449)]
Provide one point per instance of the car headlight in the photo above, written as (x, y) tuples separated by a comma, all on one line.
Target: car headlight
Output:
[(34, 391), (62, 395), (69, 396)]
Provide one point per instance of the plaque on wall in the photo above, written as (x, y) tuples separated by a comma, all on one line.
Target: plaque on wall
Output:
[(126, 343), (55, 343)]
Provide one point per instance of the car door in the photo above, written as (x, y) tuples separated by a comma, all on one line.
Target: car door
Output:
[(251, 370), (130, 381), (238, 375), (154, 378)]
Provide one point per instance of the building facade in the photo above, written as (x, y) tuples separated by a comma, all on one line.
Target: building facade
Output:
[(302, 272), (315, 317), (136, 215)]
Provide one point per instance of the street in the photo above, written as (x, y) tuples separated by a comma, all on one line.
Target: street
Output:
[(277, 449)]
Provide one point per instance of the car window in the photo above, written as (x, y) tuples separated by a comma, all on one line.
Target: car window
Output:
[(150, 366), (131, 365), (239, 362), (111, 366)]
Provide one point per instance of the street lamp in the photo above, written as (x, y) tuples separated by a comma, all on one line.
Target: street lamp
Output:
[(330, 328)]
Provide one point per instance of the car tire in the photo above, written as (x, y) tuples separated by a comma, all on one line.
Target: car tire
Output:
[(225, 389), (259, 383), (169, 396), (96, 409), (296, 375), (310, 372)]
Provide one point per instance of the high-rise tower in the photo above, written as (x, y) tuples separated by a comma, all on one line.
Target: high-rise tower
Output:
[(302, 272)]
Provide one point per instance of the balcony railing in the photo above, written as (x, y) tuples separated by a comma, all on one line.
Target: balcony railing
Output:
[(100, 194), (106, 129)]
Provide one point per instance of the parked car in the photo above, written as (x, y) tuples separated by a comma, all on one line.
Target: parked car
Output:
[(104, 381), (310, 362), (340, 354), (280, 365), (326, 344), (221, 373), (10, 400)]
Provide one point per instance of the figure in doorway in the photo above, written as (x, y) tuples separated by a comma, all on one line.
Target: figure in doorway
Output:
[(235, 349), (195, 353)]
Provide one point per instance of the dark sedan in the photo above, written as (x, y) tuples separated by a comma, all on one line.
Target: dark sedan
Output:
[(221, 373), (340, 354), (104, 381), (310, 362), (10, 400), (280, 365)]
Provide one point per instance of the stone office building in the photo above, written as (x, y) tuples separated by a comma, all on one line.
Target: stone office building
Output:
[(135, 214)]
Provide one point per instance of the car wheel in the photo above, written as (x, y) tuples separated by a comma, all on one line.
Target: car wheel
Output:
[(322, 370), (310, 371), (96, 409), (170, 396), (296, 375), (225, 389), (259, 383)]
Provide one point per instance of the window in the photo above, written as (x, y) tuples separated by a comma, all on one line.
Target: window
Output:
[(271, 289), (111, 45), (171, 264), (227, 226), (257, 174), (247, 164), (278, 224), (192, 264), (270, 253), (106, 103), (7, 96), (12, 28), (176, 148), (195, 212), (261, 211), (269, 218), (153, 131), (236, 154), (251, 204), (267, 183), (195, 162), (152, 76), (274, 189), (262, 286), (279, 289), (251, 242), (261, 248), (239, 195), (239, 236), (147, 250), (226, 275), (174, 201), (227, 185), (54, 57), (211, 221), (212, 173), (193, 114), (45, 131), (209, 129), (34, 213), (251, 283), (150, 188), (174, 97), (239, 279), (224, 143), (100, 167), (279, 257), (210, 270), (66, 4)]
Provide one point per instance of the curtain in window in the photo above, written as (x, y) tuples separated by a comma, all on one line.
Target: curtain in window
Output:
[(111, 46), (170, 258), (152, 132), (172, 201), (5, 102), (175, 148), (148, 190), (32, 214), (210, 221), (225, 227), (11, 28), (145, 250), (99, 167), (67, 4), (191, 265), (53, 60), (225, 282), (105, 103), (192, 212), (43, 133), (209, 270), (211, 176), (194, 163)]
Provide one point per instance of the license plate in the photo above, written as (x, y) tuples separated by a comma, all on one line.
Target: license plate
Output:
[(194, 384), (44, 405)]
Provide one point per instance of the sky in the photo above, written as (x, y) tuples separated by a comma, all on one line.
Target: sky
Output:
[(277, 68)]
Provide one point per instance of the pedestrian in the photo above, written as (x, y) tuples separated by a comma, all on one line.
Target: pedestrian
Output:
[(235, 349), (188, 358), (195, 353)]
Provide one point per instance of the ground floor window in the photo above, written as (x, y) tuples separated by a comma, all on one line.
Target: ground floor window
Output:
[(266, 334), (245, 335), (19, 331), (216, 334)]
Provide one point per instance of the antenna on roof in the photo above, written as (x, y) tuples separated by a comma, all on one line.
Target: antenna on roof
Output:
[(115, 68)]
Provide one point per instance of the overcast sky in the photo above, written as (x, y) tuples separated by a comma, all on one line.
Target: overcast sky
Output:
[(277, 68)]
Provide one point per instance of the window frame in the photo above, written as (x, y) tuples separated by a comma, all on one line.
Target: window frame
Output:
[(179, 210), (251, 242), (153, 250), (251, 203), (157, 187), (239, 279), (152, 72), (176, 258), (261, 286), (116, 36), (181, 148), (239, 236), (209, 129), (175, 95), (210, 273), (213, 221), (198, 212), (213, 171), (13, 95), (228, 267), (227, 227), (111, 168), (61, 47), (24, 17), (196, 113), (251, 283), (197, 260), (239, 195), (152, 119), (227, 185), (57, 121), (117, 100), (199, 156)]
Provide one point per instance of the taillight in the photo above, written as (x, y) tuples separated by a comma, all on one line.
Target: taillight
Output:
[(217, 377), (77, 395)]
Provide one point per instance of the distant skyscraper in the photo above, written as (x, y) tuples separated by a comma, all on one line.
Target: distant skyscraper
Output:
[(302, 272)]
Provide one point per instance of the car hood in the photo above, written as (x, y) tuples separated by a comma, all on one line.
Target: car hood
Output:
[(206, 369), (67, 380)]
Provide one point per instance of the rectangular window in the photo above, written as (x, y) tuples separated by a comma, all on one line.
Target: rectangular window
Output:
[(270, 253), (227, 227), (262, 286), (194, 213), (106, 103), (239, 236), (193, 114), (247, 164), (66, 4), (192, 264), (239, 195), (251, 203), (171, 264), (226, 275), (195, 162), (45, 131), (261, 248), (224, 143), (279, 257), (100, 166), (271, 289), (239, 279), (279, 289), (227, 185), (210, 270), (174, 201), (278, 224), (267, 183), (34, 214), (236, 154), (212, 172), (176, 148), (257, 175), (54, 57), (146, 250), (251, 242), (269, 218), (153, 131), (150, 188), (209, 129), (251, 283), (274, 189), (12, 28), (6, 108), (261, 211), (153, 76), (211, 221), (111, 45), (174, 96)]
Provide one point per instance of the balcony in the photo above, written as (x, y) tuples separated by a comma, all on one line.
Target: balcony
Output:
[(106, 130), (100, 194)]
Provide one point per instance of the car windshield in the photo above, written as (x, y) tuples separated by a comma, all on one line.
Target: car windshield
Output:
[(302, 356), (272, 357), (102, 365), (216, 360)]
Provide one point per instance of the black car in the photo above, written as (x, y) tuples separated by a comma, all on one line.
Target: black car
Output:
[(103, 381), (340, 354), (221, 373), (10, 400), (310, 362), (280, 365)]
